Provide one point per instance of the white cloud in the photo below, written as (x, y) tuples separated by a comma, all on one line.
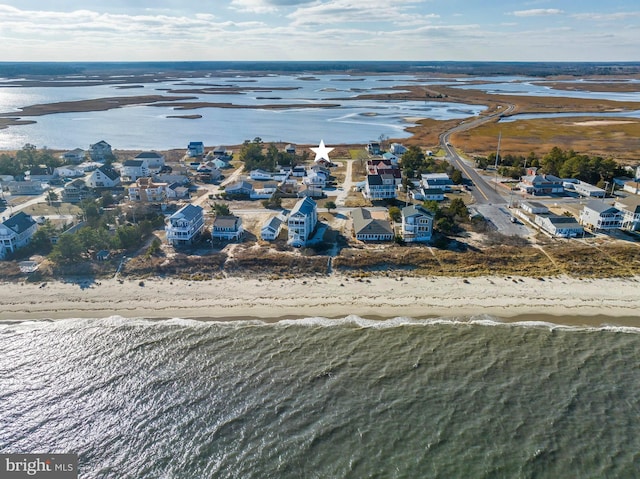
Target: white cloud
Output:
[(536, 12), (353, 11), (599, 16)]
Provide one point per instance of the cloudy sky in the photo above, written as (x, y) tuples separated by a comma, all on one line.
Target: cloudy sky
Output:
[(496, 30)]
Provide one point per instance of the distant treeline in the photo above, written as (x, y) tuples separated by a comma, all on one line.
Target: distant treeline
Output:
[(16, 69)]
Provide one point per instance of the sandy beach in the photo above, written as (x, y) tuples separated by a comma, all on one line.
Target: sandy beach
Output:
[(592, 301)]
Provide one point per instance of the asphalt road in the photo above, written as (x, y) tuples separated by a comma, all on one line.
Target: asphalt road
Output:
[(482, 192), (488, 199)]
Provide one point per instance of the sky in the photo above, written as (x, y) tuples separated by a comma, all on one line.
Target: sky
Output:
[(426, 30)]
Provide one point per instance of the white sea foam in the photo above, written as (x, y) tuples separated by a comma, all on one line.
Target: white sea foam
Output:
[(315, 321)]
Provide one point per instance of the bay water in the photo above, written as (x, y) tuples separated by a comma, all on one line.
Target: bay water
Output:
[(321, 398)]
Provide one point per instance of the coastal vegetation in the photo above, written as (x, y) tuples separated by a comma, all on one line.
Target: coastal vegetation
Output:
[(595, 170)]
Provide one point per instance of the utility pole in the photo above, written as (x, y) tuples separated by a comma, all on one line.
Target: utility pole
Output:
[(495, 183)]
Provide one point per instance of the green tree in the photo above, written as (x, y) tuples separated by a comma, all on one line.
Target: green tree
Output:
[(52, 196), (457, 208), (221, 209), (413, 161), (395, 213), (456, 176), (68, 249), (330, 205), (128, 236)]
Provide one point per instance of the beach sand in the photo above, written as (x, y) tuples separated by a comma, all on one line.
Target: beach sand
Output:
[(562, 300)]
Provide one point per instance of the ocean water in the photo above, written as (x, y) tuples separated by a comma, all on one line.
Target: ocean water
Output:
[(318, 398)]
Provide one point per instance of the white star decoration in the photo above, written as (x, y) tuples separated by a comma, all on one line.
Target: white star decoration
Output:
[(322, 152)]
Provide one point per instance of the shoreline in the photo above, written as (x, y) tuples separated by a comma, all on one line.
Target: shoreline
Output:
[(561, 300)]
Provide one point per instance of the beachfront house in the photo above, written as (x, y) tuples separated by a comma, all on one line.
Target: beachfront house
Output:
[(100, 151), (436, 180), (417, 224), (260, 175), (68, 171), (588, 190), (227, 228), (632, 187), (600, 216), (195, 149), (18, 188), (185, 226), (428, 194), (103, 177), (177, 191), (368, 228), (559, 226), (75, 191), (239, 188), (271, 229), (397, 149), (42, 174), (533, 207), (16, 232), (373, 148), (147, 190), (534, 184), (630, 209), (75, 156), (379, 187), (134, 169), (155, 161), (302, 221)]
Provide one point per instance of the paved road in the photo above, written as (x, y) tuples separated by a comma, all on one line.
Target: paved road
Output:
[(489, 201), (482, 192)]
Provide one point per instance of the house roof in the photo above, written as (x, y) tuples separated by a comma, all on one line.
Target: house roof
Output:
[(240, 185), (133, 163), (363, 223), (77, 183), (534, 205), (432, 191), (229, 221), (375, 180), (562, 220), (273, 223), (188, 212), (304, 206), (413, 210), (149, 154), (101, 144), (19, 222), (194, 144), (599, 206), (630, 203), (75, 151), (109, 172)]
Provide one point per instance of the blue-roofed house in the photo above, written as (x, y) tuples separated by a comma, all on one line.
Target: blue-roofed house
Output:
[(16, 232), (302, 221), (185, 225)]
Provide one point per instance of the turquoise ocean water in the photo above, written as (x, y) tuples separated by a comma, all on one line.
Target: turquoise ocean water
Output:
[(317, 398)]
